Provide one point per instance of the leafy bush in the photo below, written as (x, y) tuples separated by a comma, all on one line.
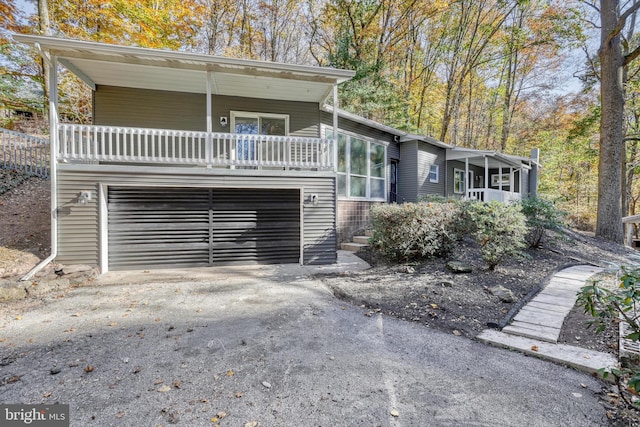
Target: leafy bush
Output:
[(541, 215), (435, 198), (413, 230), (500, 230), (606, 305)]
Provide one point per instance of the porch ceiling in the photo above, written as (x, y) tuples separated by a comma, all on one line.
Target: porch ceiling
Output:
[(125, 66), (495, 160)]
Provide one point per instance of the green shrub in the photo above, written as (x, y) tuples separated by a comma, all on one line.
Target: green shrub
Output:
[(413, 230), (435, 198), (541, 215), (607, 305), (500, 230)]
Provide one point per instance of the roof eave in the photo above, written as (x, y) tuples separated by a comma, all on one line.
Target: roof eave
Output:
[(404, 136), (71, 48)]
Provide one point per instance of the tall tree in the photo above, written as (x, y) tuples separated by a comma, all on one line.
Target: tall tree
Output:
[(612, 152), (45, 29), (472, 27)]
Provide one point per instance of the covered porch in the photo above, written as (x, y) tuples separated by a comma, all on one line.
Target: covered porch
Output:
[(196, 126), (488, 175)]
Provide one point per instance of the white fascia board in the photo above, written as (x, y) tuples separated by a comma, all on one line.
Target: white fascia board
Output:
[(457, 153), (198, 60)]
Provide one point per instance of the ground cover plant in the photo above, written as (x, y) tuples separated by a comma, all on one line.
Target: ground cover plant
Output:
[(618, 304)]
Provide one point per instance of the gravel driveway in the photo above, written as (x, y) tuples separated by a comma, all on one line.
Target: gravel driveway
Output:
[(265, 347)]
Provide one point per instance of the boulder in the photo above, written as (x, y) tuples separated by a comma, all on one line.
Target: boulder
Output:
[(459, 267), (504, 294)]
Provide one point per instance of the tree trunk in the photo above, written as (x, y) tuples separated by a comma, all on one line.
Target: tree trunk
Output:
[(43, 21), (609, 222)]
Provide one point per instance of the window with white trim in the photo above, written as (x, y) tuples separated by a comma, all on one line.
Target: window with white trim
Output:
[(434, 173), (257, 124), (362, 167), (458, 181)]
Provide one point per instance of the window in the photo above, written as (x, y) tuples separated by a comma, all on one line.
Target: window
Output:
[(256, 124), (434, 173), (504, 179), (362, 169), (458, 181)]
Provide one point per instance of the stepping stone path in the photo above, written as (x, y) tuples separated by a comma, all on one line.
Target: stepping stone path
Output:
[(543, 316), (536, 327)]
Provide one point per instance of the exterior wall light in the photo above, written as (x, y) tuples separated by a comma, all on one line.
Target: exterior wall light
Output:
[(84, 197)]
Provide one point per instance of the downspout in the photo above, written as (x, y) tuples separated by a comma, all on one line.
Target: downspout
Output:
[(53, 147), (335, 161)]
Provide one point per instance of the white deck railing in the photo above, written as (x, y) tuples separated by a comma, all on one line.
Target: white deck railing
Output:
[(161, 146), (488, 194)]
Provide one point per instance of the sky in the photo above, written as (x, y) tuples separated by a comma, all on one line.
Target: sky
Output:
[(28, 6)]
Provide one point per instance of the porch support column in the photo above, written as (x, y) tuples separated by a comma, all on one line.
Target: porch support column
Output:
[(335, 128), (486, 174), (511, 183), (520, 173), (466, 178), (208, 149)]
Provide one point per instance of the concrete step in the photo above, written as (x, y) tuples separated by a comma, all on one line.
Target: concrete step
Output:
[(353, 247), (579, 358), (368, 233), (528, 330), (361, 239)]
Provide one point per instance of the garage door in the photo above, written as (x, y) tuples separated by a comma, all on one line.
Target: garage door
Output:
[(190, 227)]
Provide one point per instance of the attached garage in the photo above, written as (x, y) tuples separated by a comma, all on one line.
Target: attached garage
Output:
[(188, 227)]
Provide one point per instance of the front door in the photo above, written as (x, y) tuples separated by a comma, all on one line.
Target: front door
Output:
[(393, 179)]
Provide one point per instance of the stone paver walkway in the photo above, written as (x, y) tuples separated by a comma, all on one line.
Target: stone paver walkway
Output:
[(543, 316), (536, 327)]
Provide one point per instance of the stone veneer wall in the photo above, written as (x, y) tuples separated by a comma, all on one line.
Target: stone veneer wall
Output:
[(352, 217)]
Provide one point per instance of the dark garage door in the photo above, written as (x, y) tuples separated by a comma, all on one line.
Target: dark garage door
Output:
[(190, 227)]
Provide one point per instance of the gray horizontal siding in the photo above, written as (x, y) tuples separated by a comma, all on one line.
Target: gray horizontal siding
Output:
[(408, 172), (304, 117), (428, 155), (78, 225), (119, 106)]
